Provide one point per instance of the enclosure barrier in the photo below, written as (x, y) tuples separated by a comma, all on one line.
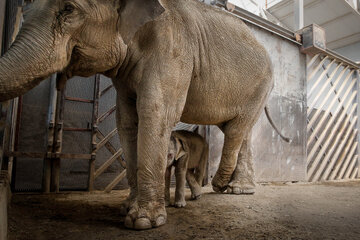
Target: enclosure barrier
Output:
[(332, 115)]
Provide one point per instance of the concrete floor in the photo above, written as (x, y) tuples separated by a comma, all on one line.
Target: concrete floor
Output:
[(276, 211)]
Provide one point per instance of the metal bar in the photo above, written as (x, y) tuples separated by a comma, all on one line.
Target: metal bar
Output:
[(333, 101), (299, 14), (354, 173), (106, 114), (115, 181), (343, 148), (260, 22), (329, 123), (332, 132), (26, 154), (350, 168), (311, 75), (107, 163), (337, 170), (312, 60), (111, 148), (48, 155), (103, 92), (12, 120), (335, 143), (321, 77), (16, 141), (324, 86), (327, 142), (77, 129), (340, 175), (73, 99), (91, 177), (46, 181), (58, 136), (106, 139)]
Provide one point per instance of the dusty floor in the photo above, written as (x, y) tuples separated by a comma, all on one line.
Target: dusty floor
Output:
[(295, 211)]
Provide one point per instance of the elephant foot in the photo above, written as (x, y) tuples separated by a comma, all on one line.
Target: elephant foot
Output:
[(180, 204), (195, 197), (141, 218), (242, 186), (219, 184), (126, 205), (196, 194)]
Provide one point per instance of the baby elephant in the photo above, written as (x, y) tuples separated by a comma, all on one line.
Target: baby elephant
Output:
[(188, 152)]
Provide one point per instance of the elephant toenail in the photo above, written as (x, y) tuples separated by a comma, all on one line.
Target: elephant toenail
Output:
[(128, 222), (142, 223), (236, 190), (160, 221), (216, 189)]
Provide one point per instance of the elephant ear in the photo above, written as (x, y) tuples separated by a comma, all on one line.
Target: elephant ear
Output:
[(136, 13), (180, 148)]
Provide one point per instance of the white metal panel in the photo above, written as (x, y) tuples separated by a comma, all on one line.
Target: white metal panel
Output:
[(340, 20)]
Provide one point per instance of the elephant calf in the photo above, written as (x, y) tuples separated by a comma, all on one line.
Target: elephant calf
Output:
[(188, 152)]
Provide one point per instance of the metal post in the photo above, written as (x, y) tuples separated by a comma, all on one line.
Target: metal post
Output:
[(299, 14), (95, 123), (57, 146), (51, 132)]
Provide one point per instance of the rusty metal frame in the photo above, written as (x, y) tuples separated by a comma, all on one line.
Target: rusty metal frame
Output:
[(52, 157), (104, 141)]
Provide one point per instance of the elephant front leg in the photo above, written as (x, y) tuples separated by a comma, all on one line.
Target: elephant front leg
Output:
[(180, 174), (126, 120), (243, 178), (153, 139)]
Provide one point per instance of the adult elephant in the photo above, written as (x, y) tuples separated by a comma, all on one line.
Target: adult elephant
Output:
[(170, 60)]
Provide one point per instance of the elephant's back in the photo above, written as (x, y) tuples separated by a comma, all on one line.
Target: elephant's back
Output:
[(232, 73)]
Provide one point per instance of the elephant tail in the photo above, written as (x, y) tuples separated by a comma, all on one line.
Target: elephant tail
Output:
[(288, 140), (200, 171)]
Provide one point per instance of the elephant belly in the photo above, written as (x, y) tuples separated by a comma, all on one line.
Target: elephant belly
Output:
[(216, 107)]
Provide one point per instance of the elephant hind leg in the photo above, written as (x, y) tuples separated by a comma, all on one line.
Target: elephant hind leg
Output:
[(235, 131), (243, 178), (195, 187)]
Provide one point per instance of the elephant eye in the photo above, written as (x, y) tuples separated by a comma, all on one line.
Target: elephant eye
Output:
[(68, 8)]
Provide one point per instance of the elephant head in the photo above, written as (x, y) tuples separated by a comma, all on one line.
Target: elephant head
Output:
[(75, 37)]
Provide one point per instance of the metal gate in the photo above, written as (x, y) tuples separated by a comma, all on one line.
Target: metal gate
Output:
[(73, 143), (332, 115)]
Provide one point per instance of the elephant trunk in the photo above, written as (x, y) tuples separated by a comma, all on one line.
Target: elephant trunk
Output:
[(30, 60)]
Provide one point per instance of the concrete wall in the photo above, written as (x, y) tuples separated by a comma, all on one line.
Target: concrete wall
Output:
[(276, 160)]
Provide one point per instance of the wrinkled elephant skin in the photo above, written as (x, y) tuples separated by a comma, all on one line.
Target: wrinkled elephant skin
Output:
[(169, 60)]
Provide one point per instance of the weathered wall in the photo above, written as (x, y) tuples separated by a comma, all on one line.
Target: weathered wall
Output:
[(276, 160)]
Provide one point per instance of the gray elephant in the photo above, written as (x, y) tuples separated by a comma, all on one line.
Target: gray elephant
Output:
[(169, 60), (188, 153)]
